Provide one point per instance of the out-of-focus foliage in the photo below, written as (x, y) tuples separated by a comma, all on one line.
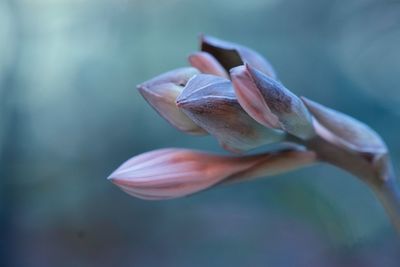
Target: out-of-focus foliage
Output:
[(70, 114)]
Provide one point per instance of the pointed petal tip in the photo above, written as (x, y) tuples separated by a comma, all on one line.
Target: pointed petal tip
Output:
[(308, 102), (237, 70), (181, 103), (252, 70), (256, 72), (206, 63), (113, 176), (140, 87), (201, 36)]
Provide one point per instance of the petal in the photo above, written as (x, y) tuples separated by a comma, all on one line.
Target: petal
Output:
[(293, 116), (211, 103), (171, 173), (251, 99), (174, 173), (207, 64)]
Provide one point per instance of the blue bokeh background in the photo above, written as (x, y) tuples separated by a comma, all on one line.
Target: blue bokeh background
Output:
[(70, 114)]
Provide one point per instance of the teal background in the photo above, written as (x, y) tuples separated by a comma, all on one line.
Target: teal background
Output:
[(70, 114)]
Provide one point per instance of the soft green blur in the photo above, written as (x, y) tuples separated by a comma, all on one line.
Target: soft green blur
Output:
[(70, 114)]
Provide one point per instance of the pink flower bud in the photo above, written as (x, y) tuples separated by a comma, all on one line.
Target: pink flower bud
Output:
[(345, 131), (231, 55), (161, 93), (207, 64), (251, 99), (211, 103), (355, 147), (270, 103), (172, 173)]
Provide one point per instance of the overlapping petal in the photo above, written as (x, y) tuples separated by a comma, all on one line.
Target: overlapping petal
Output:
[(211, 103)]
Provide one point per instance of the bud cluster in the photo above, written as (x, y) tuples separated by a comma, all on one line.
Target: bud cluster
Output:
[(233, 93)]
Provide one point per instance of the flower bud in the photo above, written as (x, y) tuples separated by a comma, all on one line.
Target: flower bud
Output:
[(251, 99), (357, 148), (211, 103), (264, 96), (207, 64), (172, 173), (231, 55), (161, 93), (345, 131)]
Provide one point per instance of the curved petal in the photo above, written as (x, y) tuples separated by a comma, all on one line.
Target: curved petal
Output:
[(251, 99), (207, 64), (293, 116)]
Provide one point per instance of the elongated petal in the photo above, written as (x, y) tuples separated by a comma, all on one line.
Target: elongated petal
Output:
[(231, 55), (293, 116), (345, 131), (161, 93), (172, 173), (211, 103), (207, 64)]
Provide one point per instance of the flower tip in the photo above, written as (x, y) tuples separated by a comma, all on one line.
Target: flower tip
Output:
[(252, 70), (161, 93), (112, 177), (237, 70), (143, 89), (308, 102), (201, 36), (207, 63), (181, 103)]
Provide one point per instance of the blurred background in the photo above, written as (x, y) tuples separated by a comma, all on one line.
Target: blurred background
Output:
[(70, 115)]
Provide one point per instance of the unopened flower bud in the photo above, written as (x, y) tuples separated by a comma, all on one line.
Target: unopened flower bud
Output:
[(344, 130), (231, 55), (172, 173), (251, 99), (161, 93), (211, 103), (206, 63), (265, 96), (357, 139)]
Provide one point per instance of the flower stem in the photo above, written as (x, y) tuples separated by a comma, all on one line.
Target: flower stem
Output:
[(388, 194), (382, 181)]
